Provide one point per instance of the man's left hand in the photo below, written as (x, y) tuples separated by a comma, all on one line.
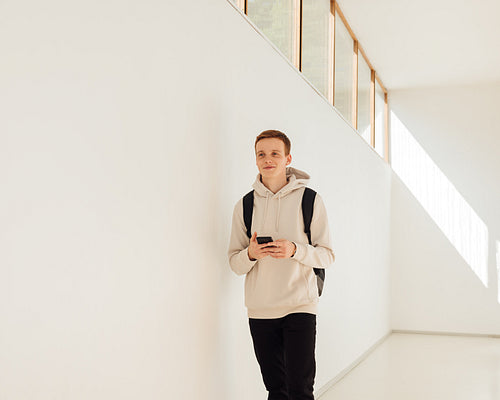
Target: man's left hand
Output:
[(283, 248)]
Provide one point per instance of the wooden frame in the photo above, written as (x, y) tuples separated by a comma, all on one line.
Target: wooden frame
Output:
[(365, 57), (381, 84), (372, 109), (386, 133), (242, 5), (355, 86), (297, 18), (331, 68), (339, 12)]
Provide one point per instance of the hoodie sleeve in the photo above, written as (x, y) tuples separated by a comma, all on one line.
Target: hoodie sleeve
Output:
[(239, 242), (320, 254)]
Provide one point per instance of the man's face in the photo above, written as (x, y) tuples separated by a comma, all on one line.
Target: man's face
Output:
[(270, 157)]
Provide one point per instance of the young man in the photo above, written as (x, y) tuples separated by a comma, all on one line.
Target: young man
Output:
[(281, 292)]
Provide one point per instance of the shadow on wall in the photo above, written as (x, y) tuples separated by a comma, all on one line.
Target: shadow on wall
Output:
[(445, 205)]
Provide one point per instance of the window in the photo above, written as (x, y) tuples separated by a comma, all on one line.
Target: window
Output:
[(344, 70), (364, 98), (277, 20), (380, 120), (317, 57), (316, 37)]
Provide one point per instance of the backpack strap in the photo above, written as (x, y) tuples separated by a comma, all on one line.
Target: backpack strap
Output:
[(248, 212), (307, 212)]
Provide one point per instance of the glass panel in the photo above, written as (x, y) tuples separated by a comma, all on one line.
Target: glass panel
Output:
[(275, 19), (316, 44), (240, 4), (379, 119), (344, 65), (364, 84)]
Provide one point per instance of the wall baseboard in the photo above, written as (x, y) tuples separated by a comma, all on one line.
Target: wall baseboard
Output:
[(483, 335)]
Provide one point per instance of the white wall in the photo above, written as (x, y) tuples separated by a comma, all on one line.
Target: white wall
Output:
[(127, 132), (433, 287)]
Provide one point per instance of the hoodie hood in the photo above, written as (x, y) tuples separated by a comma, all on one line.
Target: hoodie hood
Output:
[(296, 179)]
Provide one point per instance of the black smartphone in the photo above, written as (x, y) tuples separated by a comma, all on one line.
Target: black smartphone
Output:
[(264, 239)]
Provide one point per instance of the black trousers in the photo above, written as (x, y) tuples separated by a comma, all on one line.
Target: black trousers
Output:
[(284, 348)]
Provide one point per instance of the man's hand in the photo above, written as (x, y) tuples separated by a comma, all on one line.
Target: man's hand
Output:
[(280, 248), (283, 248), (257, 251)]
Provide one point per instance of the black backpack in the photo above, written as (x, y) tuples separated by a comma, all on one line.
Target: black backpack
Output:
[(307, 212)]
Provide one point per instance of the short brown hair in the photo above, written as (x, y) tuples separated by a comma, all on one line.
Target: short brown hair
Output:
[(275, 134)]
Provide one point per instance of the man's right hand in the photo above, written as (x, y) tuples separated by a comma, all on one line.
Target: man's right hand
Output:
[(257, 251)]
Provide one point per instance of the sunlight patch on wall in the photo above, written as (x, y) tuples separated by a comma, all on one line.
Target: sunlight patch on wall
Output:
[(446, 206)]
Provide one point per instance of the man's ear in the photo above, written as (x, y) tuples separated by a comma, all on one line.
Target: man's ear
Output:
[(288, 159)]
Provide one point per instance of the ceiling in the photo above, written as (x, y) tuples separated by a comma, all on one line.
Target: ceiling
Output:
[(428, 42)]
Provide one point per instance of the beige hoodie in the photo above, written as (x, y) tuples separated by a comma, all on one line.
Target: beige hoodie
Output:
[(277, 287)]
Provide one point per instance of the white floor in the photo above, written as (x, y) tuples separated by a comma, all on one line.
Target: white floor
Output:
[(425, 367)]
